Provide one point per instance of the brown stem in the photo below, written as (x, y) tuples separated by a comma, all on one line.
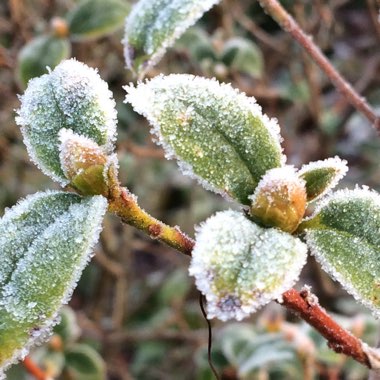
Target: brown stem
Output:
[(305, 305), (124, 204), (34, 370), (287, 22)]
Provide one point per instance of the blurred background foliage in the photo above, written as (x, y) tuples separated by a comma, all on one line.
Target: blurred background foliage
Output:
[(135, 313)]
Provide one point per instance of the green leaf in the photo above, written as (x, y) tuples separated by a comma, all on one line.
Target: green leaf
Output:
[(154, 25), (241, 267), (91, 19), (243, 55), (39, 54), (68, 328), (216, 133), (74, 97), (45, 242), (322, 176), (197, 43), (84, 363), (344, 236)]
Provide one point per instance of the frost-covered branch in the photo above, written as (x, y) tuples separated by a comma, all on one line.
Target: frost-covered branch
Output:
[(287, 22)]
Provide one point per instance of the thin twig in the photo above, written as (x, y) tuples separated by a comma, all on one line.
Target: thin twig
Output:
[(287, 22), (34, 370)]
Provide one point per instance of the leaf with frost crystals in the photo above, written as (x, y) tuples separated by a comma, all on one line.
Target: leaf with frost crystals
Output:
[(241, 267), (322, 176), (154, 25), (45, 242), (217, 133), (72, 96), (344, 236)]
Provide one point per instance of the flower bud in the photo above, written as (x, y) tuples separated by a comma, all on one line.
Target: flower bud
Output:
[(279, 199), (84, 163)]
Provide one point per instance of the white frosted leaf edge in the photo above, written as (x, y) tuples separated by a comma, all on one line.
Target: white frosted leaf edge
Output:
[(144, 101), (78, 81), (98, 205), (195, 10), (339, 165), (221, 239)]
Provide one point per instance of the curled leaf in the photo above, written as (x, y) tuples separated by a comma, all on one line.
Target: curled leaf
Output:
[(216, 133), (154, 25), (96, 18), (72, 96), (322, 176), (45, 242), (39, 54), (241, 267), (343, 234)]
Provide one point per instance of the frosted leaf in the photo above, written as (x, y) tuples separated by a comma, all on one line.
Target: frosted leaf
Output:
[(344, 236), (279, 199), (218, 134), (72, 96), (46, 240), (241, 267), (322, 176), (154, 25)]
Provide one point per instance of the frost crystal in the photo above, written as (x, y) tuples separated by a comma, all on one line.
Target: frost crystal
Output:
[(218, 134), (154, 25), (47, 240), (322, 176), (279, 199), (343, 234), (72, 96), (240, 266)]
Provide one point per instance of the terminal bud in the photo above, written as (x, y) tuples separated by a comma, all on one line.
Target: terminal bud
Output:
[(279, 199)]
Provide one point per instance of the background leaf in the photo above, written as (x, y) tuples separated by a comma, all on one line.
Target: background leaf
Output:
[(39, 54), (154, 25), (51, 236), (243, 55), (343, 234), (216, 133), (96, 18), (84, 363)]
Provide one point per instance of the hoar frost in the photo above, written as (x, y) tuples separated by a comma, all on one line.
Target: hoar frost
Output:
[(218, 134), (343, 235), (72, 96), (154, 25), (322, 176), (240, 267), (52, 235)]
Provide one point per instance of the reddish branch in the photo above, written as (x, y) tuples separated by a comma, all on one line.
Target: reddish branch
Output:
[(287, 22), (34, 370), (303, 303)]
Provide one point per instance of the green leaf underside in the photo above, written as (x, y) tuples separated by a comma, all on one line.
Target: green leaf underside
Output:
[(51, 236), (73, 97), (216, 133), (344, 236), (40, 53), (154, 25), (96, 18)]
